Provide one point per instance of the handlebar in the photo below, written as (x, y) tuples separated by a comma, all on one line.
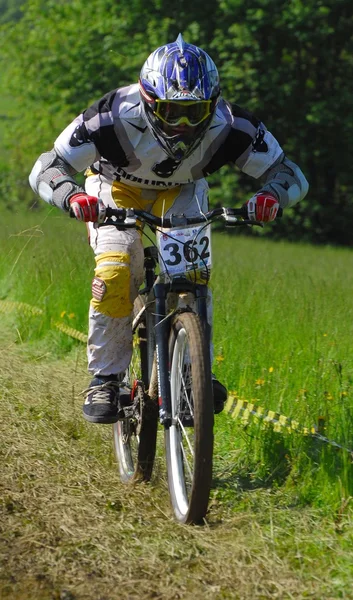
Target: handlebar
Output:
[(127, 218)]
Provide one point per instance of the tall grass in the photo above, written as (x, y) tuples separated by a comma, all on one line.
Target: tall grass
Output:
[(46, 262), (282, 339), (283, 325)]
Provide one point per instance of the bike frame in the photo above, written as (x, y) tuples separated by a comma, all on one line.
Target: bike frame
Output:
[(125, 219), (157, 291)]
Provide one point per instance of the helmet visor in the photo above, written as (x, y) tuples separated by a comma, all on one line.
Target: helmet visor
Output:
[(189, 112)]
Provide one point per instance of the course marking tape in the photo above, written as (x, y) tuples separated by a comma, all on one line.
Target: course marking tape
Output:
[(235, 406), (243, 409), (7, 306), (78, 335)]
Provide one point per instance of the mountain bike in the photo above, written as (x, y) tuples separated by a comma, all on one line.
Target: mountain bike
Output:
[(170, 372)]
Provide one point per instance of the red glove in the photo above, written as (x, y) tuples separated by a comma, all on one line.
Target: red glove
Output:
[(86, 208), (262, 207)]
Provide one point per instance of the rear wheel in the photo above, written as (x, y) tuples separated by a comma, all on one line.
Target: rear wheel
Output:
[(189, 440), (135, 435)]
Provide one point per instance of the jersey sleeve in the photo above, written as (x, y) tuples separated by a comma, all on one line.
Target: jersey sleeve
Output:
[(262, 149), (75, 146), (261, 154), (94, 135), (248, 144)]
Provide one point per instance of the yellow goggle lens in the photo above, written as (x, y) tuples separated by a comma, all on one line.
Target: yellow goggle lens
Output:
[(190, 112)]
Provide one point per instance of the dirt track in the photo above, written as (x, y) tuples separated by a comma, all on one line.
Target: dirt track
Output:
[(70, 531)]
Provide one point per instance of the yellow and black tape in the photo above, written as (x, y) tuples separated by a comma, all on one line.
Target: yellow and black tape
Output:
[(236, 407), (70, 331), (245, 410), (8, 306)]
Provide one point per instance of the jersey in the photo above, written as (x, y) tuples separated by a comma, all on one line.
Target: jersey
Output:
[(112, 137)]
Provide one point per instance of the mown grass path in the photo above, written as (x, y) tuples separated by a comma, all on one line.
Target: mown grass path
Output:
[(70, 531)]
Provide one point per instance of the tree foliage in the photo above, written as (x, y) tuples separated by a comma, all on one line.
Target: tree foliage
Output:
[(10, 10), (290, 62)]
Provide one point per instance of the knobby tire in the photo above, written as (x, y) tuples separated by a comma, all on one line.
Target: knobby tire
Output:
[(189, 440)]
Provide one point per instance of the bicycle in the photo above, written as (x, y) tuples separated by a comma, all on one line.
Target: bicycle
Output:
[(170, 371)]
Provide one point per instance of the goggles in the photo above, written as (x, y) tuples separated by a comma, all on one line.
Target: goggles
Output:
[(189, 112)]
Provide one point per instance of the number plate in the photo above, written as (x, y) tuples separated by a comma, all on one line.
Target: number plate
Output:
[(183, 250)]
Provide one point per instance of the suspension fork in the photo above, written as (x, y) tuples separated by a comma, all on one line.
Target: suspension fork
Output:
[(201, 297), (162, 331)]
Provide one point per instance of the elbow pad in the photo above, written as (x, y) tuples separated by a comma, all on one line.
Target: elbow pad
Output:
[(285, 180), (51, 178)]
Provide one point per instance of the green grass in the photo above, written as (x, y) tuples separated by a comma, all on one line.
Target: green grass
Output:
[(280, 514), (283, 325), (46, 262), (282, 334), (69, 530)]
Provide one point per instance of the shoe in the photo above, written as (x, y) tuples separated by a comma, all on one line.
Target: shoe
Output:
[(102, 400), (220, 395)]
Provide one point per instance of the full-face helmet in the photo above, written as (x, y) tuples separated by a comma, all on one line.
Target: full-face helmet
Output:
[(179, 88)]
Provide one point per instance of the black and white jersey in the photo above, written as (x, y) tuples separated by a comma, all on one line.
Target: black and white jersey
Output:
[(113, 139)]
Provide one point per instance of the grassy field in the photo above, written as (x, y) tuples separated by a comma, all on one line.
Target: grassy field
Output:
[(280, 517), (6, 115)]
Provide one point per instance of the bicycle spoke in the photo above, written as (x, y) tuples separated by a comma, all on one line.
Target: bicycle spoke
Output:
[(186, 463), (188, 443), (189, 440)]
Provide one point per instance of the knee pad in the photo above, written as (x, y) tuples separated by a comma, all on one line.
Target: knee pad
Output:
[(111, 285)]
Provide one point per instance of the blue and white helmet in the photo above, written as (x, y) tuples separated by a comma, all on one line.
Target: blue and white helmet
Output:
[(179, 88)]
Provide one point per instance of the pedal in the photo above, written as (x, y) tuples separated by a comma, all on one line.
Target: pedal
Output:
[(125, 399)]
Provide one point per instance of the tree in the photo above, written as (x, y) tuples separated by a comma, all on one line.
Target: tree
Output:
[(10, 10), (290, 62)]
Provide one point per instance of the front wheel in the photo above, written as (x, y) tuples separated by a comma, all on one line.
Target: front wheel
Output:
[(189, 439)]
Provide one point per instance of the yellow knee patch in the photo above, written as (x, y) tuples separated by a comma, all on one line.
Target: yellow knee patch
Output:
[(111, 285)]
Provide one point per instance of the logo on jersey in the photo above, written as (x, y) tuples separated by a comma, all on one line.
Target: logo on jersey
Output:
[(259, 145), (77, 138), (166, 168)]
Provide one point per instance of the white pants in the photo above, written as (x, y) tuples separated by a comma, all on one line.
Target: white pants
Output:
[(119, 271)]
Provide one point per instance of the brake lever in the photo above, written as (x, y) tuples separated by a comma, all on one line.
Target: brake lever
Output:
[(234, 222), (249, 222)]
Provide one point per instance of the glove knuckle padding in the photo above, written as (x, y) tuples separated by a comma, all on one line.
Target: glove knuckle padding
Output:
[(286, 181), (113, 269), (51, 178)]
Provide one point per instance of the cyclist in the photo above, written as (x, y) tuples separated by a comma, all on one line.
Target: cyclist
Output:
[(151, 145)]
